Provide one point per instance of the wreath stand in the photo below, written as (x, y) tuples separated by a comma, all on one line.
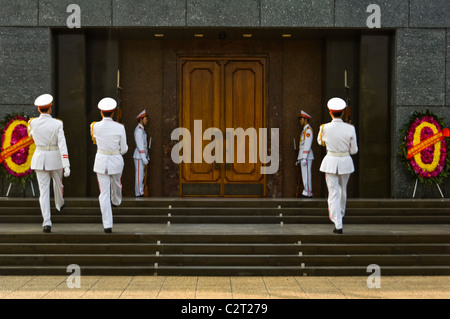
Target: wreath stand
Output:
[(32, 189), (437, 185)]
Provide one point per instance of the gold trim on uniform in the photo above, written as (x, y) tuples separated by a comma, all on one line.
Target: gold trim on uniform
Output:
[(321, 135), (92, 133), (28, 126)]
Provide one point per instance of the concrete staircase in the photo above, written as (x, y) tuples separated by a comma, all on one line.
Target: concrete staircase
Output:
[(227, 237)]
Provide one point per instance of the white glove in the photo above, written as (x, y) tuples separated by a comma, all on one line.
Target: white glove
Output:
[(298, 162), (303, 162), (66, 171)]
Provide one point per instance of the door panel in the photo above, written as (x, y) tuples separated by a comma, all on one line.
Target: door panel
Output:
[(244, 99), (201, 101)]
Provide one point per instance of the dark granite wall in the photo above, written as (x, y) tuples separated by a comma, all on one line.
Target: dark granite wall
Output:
[(421, 50)]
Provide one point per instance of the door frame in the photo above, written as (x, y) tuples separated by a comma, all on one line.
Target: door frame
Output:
[(226, 58)]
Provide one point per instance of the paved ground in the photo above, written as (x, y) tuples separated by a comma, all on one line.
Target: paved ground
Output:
[(129, 287)]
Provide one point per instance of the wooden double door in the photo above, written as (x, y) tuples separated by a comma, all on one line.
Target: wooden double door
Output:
[(219, 97)]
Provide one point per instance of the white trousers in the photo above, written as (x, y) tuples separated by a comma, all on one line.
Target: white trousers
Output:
[(110, 192), (44, 178), (337, 197), (139, 169), (306, 176)]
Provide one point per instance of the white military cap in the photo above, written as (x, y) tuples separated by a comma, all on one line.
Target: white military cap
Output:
[(304, 114), (44, 101), (107, 104), (336, 104), (141, 115)]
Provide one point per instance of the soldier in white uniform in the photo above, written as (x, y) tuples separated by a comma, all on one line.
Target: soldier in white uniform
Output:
[(305, 155), (340, 140), (50, 157), (140, 155), (111, 141)]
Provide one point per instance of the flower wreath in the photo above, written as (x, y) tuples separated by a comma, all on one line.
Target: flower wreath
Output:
[(424, 149), (16, 149)]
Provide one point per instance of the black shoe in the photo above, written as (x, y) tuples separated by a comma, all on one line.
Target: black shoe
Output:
[(337, 231), (108, 230), (62, 207), (47, 229)]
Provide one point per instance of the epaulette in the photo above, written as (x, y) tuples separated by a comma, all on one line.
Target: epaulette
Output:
[(92, 133), (321, 135), (28, 126)]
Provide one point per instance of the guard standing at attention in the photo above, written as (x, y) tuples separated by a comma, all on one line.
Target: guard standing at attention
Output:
[(50, 157), (111, 141), (305, 155), (340, 140), (140, 155)]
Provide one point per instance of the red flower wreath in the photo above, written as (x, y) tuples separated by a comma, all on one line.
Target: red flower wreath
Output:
[(424, 147)]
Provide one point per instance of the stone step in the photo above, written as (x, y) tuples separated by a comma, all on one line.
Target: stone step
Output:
[(222, 254), (232, 211), (223, 249), (221, 260), (222, 211), (36, 218), (237, 202), (225, 271), (223, 238)]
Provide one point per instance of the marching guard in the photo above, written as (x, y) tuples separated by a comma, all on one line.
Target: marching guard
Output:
[(305, 155), (339, 138), (111, 141), (140, 155), (50, 157)]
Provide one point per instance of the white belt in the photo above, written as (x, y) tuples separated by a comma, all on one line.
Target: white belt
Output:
[(108, 152), (336, 154), (47, 148)]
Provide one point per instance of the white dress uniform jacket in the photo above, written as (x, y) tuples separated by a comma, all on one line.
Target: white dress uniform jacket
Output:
[(48, 161), (51, 149), (111, 141), (140, 157), (305, 158), (340, 140), (306, 140), (141, 150)]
